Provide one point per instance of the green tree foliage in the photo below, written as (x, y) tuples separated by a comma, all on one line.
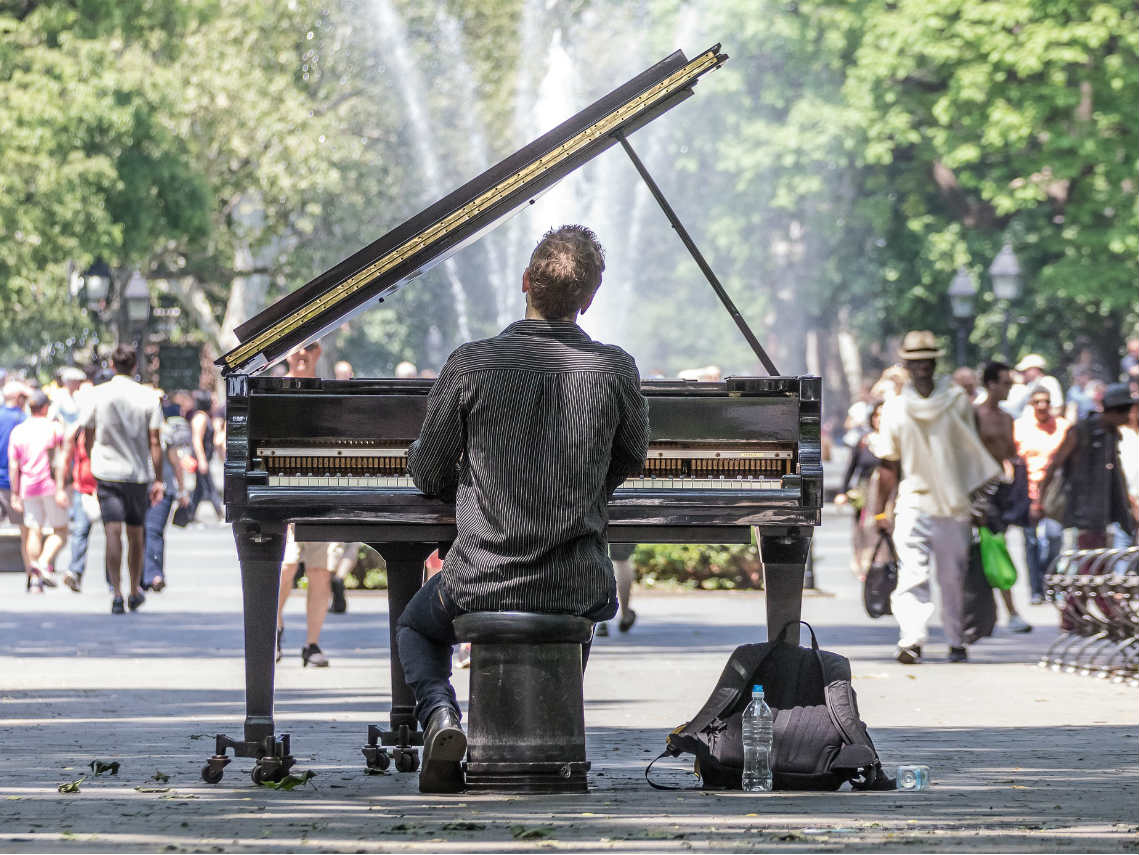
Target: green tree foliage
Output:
[(889, 144), (836, 171), (1020, 120), (91, 166)]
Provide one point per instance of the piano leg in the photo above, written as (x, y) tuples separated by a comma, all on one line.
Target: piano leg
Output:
[(260, 548), (405, 577), (784, 559)]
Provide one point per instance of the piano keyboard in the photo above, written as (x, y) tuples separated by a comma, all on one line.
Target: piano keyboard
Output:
[(390, 482), (373, 466)]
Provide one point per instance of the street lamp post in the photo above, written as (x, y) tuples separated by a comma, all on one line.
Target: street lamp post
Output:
[(136, 307), (1005, 273), (962, 294), (136, 296), (96, 286)]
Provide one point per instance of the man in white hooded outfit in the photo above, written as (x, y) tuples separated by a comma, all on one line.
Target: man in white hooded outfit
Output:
[(930, 450)]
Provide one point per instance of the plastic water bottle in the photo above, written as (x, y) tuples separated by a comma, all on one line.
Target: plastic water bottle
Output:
[(758, 736), (913, 777)]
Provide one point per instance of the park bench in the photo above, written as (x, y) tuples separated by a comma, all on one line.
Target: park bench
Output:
[(1097, 594)]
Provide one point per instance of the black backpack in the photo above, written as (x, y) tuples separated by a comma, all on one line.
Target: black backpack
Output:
[(820, 742)]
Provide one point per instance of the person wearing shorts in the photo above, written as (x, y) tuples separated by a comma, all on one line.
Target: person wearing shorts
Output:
[(11, 414), (30, 449), (317, 558), (621, 554), (122, 420)]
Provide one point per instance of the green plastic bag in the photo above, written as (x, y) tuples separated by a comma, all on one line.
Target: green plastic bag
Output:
[(995, 560)]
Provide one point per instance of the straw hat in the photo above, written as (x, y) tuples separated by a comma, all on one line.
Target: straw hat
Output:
[(920, 344)]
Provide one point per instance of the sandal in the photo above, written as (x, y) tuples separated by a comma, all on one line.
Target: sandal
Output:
[(35, 583)]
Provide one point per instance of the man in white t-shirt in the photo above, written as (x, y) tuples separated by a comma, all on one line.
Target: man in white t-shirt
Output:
[(122, 420), (928, 444)]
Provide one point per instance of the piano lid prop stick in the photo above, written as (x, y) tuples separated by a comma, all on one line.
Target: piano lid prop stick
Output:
[(686, 239)]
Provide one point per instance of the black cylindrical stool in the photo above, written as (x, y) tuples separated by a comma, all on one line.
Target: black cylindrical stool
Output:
[(526, 721)]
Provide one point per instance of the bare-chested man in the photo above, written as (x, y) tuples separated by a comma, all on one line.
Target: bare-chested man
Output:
[(995, 428)]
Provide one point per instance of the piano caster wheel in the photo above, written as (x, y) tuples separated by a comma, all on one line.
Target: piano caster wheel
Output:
[(376, 759), (406, 759), (268, 772), (214, 769)]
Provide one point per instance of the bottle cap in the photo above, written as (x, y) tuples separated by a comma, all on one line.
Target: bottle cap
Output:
[(757, 689)]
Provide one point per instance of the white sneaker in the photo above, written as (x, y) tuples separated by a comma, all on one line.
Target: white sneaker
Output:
[(1018, 624)]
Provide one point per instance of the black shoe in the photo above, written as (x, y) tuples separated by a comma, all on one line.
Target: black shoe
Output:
[(339, 602), (135, 600), (627, 621), (280, 635), (909, 655), (444, 745), (958, 654), (312, 655), (117, 606)]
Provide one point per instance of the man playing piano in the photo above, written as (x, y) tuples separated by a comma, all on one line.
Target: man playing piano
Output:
[(528, 433)]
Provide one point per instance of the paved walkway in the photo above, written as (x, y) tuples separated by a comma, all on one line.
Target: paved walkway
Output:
[(1023, 759)]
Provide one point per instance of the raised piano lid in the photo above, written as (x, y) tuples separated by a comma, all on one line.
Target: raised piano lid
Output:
[(440, 230)]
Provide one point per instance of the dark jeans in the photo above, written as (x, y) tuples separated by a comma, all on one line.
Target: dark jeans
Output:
[(154, 552), (425, 633), (78, 531), (204, 489), (1041, 546)]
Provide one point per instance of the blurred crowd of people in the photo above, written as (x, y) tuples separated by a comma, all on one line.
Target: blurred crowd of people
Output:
[(1065, 461), (95, 445)]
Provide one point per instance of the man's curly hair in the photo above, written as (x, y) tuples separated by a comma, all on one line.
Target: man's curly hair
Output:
[(565, 271)]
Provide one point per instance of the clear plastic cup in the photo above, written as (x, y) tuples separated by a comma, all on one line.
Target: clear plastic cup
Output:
[(913, 777)]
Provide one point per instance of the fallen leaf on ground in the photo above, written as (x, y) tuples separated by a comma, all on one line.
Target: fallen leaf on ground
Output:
[(153, 789), (521, 832), (100, 768), (463, 826), (290, 782), (71, 786)]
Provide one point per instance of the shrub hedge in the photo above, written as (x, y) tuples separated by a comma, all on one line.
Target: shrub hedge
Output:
[(706, 567)]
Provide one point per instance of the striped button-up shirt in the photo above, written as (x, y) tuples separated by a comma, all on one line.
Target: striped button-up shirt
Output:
[(530, 432)]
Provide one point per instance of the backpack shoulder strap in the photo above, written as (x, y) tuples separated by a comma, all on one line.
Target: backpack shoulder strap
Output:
[(858, 754), (653, 783), (733, 682)]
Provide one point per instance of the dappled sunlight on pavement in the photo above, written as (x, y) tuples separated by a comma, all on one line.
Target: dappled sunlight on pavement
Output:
[(1023, 759)]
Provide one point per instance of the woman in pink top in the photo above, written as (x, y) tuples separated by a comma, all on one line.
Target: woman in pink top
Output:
[(34, 490)]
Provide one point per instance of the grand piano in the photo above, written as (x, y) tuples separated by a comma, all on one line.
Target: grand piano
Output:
[(330, 456)]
